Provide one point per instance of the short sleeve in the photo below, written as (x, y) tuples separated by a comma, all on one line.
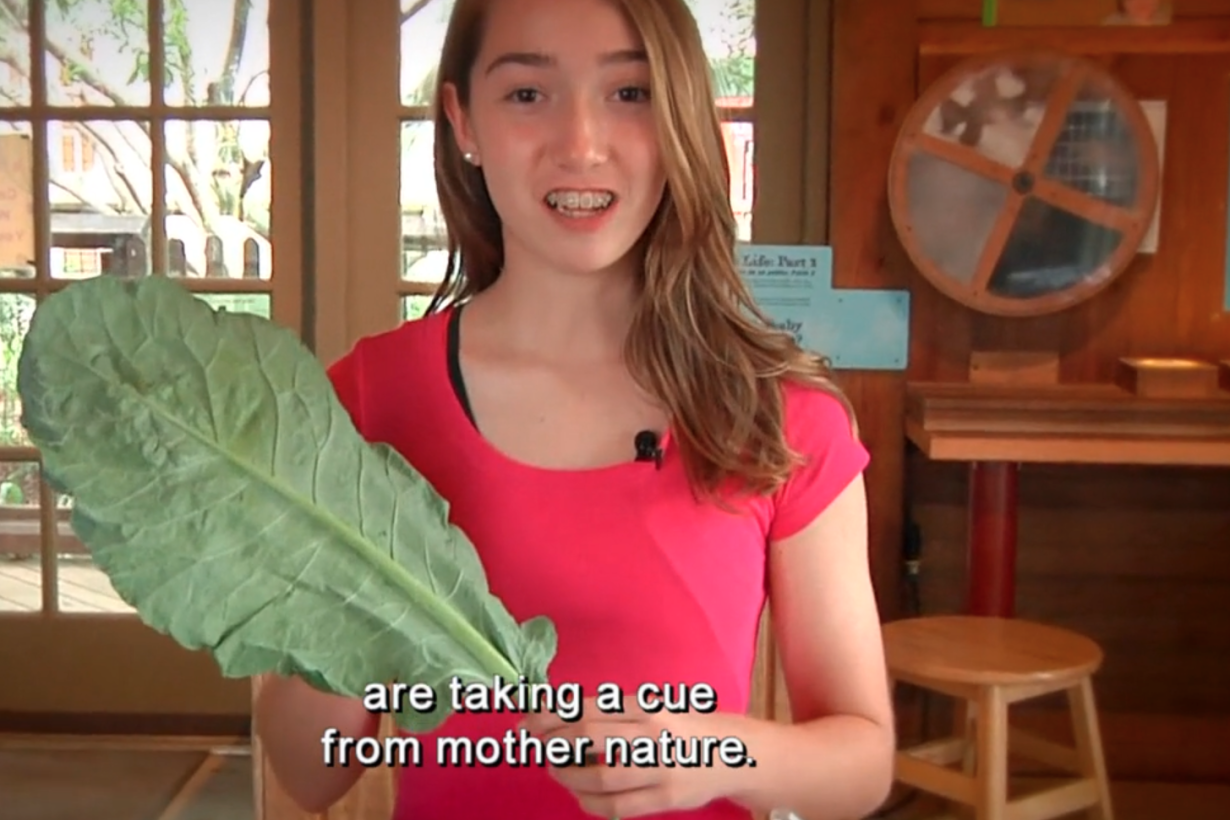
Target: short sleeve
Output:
[(819, 429)]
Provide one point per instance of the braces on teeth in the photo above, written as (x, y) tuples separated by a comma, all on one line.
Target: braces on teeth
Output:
[(586, 201)]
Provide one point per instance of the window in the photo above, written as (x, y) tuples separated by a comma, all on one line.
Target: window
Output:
[(138, 146), (76, 150)]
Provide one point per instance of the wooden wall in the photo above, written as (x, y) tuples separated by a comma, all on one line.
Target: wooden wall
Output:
[(1138, 559)]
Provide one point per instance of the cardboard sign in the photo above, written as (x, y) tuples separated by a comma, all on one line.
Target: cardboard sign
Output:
[(16, 201)]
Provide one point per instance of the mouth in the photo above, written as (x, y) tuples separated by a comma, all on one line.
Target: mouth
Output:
[(579, 203)]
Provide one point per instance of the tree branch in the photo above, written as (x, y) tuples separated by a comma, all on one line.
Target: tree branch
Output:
[(242, 10), (413, 9), (115, 168), (242, 96), (79, 62), (194, 190), (80, 197), (6, 48)]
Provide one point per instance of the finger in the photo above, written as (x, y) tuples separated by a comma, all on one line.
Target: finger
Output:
[(623, 805), (542, 725), (544, 721), (597, 734), (537, 722), (597, 778)]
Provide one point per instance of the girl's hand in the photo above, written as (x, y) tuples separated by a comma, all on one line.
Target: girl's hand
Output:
[(619, 789)]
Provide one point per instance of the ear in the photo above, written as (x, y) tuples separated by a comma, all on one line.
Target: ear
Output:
[(459, 120)]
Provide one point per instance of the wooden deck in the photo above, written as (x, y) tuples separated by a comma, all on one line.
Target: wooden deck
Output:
[(188, 779), (83, 588)]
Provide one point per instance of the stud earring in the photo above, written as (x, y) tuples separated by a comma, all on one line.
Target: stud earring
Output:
[(470, 158)]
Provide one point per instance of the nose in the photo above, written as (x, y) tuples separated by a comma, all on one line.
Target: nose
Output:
[(582, 137)]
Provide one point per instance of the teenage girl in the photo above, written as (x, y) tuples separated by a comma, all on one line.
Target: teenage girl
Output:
[(593, 294)]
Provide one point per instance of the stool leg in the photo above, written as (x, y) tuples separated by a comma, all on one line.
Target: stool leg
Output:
[(1088, 738), (964, 726), (991, 730)]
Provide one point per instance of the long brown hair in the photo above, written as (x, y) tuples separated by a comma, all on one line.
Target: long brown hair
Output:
[(698, 343)]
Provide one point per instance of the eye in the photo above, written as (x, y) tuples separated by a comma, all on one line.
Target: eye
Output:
[(633, 94), (523, 95)]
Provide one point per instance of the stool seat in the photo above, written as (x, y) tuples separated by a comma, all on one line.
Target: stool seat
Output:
[(986, 665), (977, 650)]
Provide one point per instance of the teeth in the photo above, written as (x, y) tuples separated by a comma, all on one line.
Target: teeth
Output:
[(580, 200)]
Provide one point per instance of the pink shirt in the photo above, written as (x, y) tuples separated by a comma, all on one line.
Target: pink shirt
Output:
[(642, 583)]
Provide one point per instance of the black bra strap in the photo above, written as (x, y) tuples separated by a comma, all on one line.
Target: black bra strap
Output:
[(454, 362)]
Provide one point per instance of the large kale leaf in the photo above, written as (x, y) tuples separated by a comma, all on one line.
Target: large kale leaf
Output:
[(221, 486)]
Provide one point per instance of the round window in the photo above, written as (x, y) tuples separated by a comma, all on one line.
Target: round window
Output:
[(1023, 183)]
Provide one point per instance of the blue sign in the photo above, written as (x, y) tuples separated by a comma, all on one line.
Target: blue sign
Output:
[(854, 329)]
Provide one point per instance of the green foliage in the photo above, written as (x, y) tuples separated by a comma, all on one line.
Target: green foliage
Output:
[(128, 26), (221, 486)]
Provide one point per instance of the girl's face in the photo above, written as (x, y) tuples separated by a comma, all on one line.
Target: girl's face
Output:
[(561, 125)]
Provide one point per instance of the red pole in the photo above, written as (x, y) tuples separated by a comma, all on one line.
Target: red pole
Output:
[(992, 538)]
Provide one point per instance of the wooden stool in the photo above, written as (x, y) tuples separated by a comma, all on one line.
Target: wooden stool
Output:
[(987, 664)]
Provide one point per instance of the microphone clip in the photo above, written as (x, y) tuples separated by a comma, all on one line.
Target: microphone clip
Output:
[(648, 448)]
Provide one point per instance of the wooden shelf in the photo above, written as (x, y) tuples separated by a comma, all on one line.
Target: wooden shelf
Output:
[(966, 39), (1079, 424)]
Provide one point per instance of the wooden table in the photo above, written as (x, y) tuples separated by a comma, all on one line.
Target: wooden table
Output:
[(997, 428)]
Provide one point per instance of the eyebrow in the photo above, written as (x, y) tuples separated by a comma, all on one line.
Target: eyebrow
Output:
[(535, 59)]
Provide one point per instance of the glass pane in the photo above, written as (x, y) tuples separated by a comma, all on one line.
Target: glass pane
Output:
[(424, 243), (100, 191), (16, 310), (414, 307), (21, 574), (83, 587), (257, 303), (951, 210), (740, 153), (218, 198), (17, 252), (15, 65), (217, 52), (1051, 250), (1096, 151), (996, 111), (423, 24), (98, 52), (728, 29)]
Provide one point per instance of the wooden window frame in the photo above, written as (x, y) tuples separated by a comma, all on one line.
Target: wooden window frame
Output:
[(47, 685)]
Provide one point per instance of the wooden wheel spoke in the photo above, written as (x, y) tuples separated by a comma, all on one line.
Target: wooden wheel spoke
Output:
[(1021, 115), (997, 239), (1063, 94), (1090, 208), (963, 156)]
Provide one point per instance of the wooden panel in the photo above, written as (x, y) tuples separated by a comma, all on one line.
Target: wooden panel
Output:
[(1168, 304), (1135, 557), (1183, 37), (972, 9), (782, 147), (1070, 423), (873, 71)]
